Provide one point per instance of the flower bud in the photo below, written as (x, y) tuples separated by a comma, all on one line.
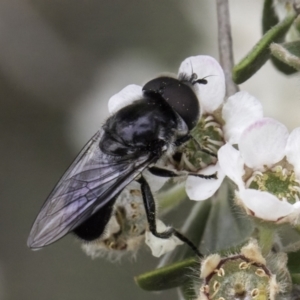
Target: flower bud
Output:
[(247, 275)]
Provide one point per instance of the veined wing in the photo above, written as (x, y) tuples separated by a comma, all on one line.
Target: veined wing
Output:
[(93, 179)]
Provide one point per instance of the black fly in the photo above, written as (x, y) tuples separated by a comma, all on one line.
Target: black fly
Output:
[(131, 140)]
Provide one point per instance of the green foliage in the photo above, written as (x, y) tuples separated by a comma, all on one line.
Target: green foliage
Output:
[(227, 227), (168, 277), (288, 53), (260, 53), (294, 262)]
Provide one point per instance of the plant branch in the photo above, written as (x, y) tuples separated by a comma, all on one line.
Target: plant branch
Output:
[(225, 45)]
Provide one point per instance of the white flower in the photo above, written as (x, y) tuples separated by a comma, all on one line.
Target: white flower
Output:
[(266, 170), (160, 246), (237, 112), (125, 97), (210, 95)]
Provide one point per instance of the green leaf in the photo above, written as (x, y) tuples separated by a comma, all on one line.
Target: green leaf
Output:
[(269, 18), (294, 262), (188, 290), (282, 67), (227, 227), (260, 53), (288, 53), (174, 275)]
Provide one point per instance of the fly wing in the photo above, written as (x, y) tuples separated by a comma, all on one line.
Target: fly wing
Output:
[(93, 179)]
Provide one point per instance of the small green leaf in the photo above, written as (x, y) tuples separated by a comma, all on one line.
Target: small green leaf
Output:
[(282, 67), (288, 53), (294, 262), (227, 227), (293, 47), (175, 275), (260, 53), (269, 18), (188, 290)]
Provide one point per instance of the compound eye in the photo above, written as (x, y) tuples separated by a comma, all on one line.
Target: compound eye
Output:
[(179, 96), (157, 85)]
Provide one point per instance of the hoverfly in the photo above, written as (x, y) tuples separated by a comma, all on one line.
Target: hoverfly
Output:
[(132, 140)]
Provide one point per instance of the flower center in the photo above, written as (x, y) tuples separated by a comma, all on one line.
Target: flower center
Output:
[(237, 278), (207, 135), (279, 181)]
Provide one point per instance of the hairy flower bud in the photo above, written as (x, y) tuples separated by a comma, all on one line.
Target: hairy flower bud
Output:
[(247, 275)]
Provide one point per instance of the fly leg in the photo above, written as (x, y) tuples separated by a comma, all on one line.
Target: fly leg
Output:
[(169, 173), (150, 209)]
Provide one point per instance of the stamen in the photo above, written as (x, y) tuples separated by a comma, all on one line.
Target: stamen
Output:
[(255, 293), (211, 148), (208, 118), (220, 272), (211, 124), (217, 143), (219, 131), (188, 164), (244, 265), (279, 181), (260, 272)]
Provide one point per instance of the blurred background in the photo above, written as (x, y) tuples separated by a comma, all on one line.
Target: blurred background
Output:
[(60, 61)]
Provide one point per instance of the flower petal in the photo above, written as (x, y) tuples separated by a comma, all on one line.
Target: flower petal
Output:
[(239, 111), (292, 150), (265, 205), (210, 95), (160, 246), (201, 189), (125, 97), (263, 143), (231, 164)]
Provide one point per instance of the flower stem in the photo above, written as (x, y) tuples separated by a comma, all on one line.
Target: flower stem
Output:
[(266, 239), (225, 45)]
